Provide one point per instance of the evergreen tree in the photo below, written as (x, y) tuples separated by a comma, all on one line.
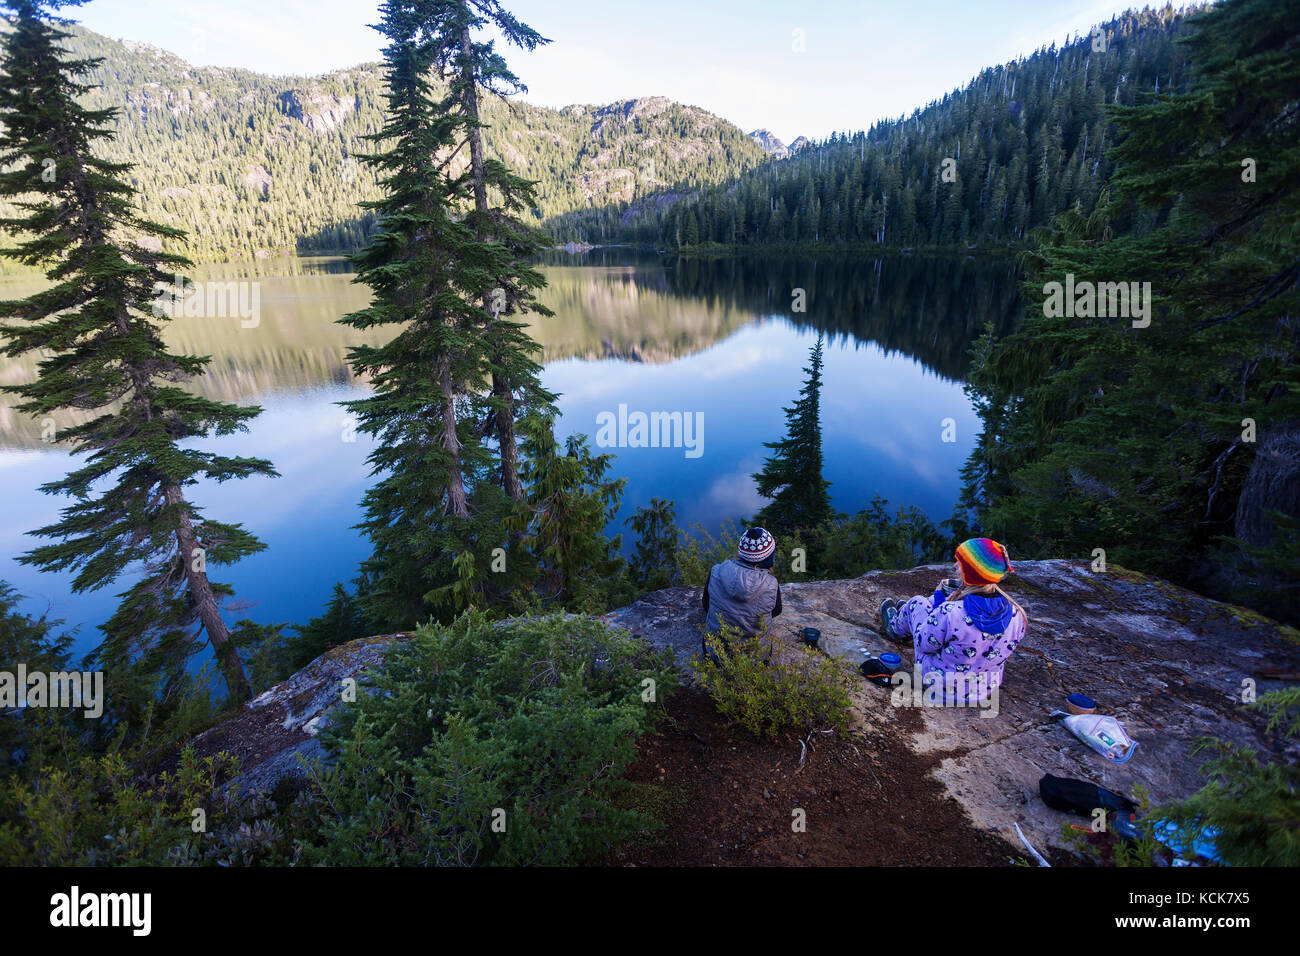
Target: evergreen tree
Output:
[(1142, 440), (570, 500), (97, 327), (1028, 124), (503, 242), (654, 561), (428, 453), (792, 477), (343, 620), (449, 267)]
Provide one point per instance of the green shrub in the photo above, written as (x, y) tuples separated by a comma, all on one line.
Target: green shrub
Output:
[(37, 643), (528, 723), (99, 811), (843, 547), (809, 691), (873, 539), (698, 552)]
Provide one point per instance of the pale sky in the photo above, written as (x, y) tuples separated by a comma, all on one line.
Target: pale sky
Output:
[(795, 68)]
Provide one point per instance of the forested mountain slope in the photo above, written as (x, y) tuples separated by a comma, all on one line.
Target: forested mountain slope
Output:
[(1020, 143), (252, 164)]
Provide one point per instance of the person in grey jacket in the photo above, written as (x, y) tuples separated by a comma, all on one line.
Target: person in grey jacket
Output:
[(742, 592)]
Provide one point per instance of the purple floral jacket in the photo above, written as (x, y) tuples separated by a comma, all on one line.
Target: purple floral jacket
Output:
[(973, 638)]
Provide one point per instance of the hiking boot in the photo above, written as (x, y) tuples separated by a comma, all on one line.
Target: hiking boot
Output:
[(888, 614)]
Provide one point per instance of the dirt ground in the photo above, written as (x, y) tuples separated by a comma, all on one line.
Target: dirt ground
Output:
[(727, 798)]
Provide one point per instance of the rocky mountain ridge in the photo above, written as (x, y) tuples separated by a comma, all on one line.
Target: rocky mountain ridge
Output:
[(254, 165)]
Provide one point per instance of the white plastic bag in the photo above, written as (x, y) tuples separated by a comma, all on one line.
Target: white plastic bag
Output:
[(1103, 734)]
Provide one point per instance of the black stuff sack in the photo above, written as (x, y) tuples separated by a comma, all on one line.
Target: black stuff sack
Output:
[(1081, 797)]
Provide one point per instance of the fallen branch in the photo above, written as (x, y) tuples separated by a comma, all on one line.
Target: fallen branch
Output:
[(873, 776), (804, 744), (1042, 861)]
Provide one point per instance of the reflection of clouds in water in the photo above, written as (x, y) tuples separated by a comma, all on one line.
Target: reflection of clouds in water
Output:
[(17, 459), (302, 437), (891, 408), (583, 380), (728, 362), (26, 471), (926, 470), (916, 449), (893, 400), (734, 494)]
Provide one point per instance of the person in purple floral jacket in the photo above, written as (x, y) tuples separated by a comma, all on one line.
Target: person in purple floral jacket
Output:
[(966, 633)]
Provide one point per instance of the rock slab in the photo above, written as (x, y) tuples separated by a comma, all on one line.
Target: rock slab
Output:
[(1169, 664)]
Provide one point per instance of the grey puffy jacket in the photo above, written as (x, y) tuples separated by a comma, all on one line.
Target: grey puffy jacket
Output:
[(741, 596)]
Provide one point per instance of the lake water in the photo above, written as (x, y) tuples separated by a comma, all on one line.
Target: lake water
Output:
[(719, 339)]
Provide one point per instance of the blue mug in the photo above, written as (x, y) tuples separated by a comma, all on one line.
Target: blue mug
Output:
[(1082, 702)]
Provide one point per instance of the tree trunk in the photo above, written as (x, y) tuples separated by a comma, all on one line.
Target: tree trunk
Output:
[(201, 592), (477, 175), (456, 502), (501, 385), (205, 599), (505, 416), (232, 665)]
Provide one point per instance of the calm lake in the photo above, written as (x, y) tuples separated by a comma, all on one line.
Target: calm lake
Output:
[(719, 341)]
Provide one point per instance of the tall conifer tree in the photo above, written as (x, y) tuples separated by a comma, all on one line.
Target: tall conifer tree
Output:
[(504, 242), (792, 477), (450, 267), (97, 330)]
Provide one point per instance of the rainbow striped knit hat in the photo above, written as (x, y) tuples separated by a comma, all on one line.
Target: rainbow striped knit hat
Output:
[(983, 561)]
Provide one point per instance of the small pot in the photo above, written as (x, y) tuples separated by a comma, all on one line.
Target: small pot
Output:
[(891, 661), (1080, 704), (811, 636)]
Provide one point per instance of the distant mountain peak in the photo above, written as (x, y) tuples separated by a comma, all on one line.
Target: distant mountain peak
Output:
[(773, 145)]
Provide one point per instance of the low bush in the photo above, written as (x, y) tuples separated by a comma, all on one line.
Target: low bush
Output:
[(490, 743), (99, 811), (1249, 807), (801, 690)]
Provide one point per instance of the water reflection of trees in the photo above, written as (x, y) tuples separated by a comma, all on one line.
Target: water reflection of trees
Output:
[(928, 308), (609, 303), (644, 307)]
